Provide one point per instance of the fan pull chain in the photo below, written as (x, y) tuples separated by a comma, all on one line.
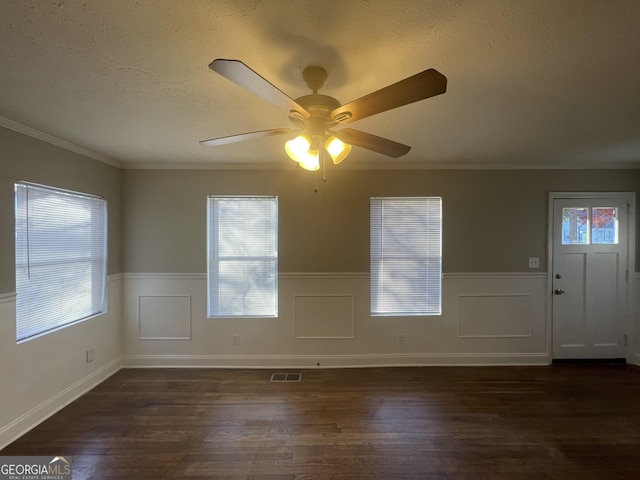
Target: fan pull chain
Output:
[(324, 166), (324, 172)]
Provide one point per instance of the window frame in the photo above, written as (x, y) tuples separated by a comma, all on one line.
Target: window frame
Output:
[(378, 290), (28, 325), (214, 309), (594, 234)]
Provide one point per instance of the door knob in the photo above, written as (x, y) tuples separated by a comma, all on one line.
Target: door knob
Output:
[(557, 291)]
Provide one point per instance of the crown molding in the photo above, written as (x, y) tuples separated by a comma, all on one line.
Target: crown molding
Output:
[(372, 166), (288, 166), (58, 142)]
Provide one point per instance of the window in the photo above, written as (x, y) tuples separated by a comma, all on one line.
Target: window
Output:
[(242, 266), (584, 226), (406, 256), (60, 258)]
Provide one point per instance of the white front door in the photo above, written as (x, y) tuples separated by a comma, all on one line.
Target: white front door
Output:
[(589, 264)]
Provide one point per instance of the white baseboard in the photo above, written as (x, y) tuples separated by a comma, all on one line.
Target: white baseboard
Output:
[(40, 413), (331, 361), (636, 359)]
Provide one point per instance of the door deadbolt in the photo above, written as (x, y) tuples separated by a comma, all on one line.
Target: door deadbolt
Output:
[(558, 275)]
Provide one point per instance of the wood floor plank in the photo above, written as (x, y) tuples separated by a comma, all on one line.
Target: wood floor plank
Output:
[(516, 423)]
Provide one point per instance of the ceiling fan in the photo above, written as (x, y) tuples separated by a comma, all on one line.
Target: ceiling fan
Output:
[(313, 116)]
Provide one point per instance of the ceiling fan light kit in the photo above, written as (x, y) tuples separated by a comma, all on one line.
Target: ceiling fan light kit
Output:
[(313, 116), (299, 150), (337, 149)]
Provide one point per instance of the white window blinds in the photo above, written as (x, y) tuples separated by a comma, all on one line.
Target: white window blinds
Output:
[(242, 245), (406, 256), (60, 258)]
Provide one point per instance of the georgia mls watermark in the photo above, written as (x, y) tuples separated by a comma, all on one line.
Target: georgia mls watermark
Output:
[(35, 468)]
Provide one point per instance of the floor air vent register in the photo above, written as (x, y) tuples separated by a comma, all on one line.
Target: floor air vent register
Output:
[(286, 377)]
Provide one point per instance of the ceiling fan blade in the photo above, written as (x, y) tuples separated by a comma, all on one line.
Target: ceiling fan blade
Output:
[(372, 142), (240, 74), (418, 87), (214, 142)]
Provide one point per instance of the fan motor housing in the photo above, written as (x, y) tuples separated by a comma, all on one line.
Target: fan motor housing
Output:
[(320, 108), (318, 104)]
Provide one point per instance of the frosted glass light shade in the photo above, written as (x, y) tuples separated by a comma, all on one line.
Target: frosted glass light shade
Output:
[(298, 151), (298, 148), (337, 149), (311, 162)]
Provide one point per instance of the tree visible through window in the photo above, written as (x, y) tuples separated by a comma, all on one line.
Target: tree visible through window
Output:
[(584, 226), (406, 256), (60, 258), (242, 241)]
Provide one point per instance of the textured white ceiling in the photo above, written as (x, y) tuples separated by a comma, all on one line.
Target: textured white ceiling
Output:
[(532, 83)]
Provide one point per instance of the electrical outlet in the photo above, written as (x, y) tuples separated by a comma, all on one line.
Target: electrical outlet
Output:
[(235, 340), (534, 262), (402, 339), (90, 355)]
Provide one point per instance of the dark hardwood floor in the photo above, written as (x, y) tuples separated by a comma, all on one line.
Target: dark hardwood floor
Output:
[(559, 422)]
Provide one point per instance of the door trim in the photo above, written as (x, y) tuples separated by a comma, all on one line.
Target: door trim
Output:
[(629, 307)]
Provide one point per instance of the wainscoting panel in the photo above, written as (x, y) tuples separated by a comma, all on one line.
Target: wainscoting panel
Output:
[(497, 316), (164, 317), (324, 320), (43, 375), (324, 316)]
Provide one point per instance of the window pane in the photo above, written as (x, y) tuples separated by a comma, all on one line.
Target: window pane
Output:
[(60, 258), (575, 226), (242, 237), (406, 256), (246, 288), (604, 225)]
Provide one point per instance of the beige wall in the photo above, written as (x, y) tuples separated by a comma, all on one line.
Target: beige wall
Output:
[(44, 374), (495, 309), (25, 158), (493, 220)]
